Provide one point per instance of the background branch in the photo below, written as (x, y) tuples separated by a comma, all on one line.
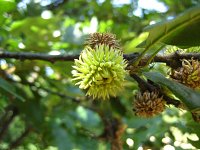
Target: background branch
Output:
[(37, 56), (172, 60)]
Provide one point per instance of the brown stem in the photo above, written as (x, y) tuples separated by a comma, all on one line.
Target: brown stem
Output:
[(144, 86), (172, 60), (113, 130), (37, 56), (77, 100), (169, 100)]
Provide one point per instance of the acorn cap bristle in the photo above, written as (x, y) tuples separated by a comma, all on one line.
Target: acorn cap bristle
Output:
[(148, 104), (188, 74), (96, 39)]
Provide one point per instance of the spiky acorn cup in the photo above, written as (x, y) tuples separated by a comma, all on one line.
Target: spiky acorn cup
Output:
[(148, 104), (100, 71), (188, 74), (103, 39)]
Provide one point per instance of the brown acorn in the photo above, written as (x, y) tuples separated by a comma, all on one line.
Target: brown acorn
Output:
[(188, 74), (108, 39), (148, 104)]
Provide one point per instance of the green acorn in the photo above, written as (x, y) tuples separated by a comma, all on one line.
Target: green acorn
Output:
[(148, 104), (100, 71), (188, 74)]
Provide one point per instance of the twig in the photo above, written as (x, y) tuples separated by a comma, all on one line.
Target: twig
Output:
[(113, 130), (48, 57), (37, 56), (171, 60), (144, 86), (77, 100), (169, 100), (151, 87), (62, 95)]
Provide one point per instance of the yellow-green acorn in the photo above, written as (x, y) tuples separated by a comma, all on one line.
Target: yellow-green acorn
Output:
[(188, 73), (100, 71), (148, 104)]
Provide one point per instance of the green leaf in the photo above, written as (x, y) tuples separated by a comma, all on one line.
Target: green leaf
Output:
[(34, 110), (40, 30), (10, 89), (182, 31), (188, 96), (91, 120), (174, 32), (7, 5), (61, 137), (187, 37)]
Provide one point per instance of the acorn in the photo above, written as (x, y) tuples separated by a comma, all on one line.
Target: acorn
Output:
[(108, 39), (188, 74), (148, 104), (100, 71)]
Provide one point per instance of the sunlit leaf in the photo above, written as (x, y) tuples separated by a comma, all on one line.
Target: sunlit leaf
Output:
[(174, 32), (182, 31), (7, 5)]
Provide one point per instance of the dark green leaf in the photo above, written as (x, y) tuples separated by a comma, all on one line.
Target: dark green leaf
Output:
[(188, 96), (61, 138), (182, 31), (5, 85)]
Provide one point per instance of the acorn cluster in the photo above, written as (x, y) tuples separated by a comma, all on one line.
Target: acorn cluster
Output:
[(148, 104), (188, 74), (100, 69)]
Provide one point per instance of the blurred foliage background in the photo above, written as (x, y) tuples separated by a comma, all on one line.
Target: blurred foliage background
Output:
[(41, 109)]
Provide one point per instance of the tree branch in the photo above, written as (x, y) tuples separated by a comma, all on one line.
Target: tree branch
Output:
[(143, 85), (48, 57), (61, 95), (37, 56), (172, 60)]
